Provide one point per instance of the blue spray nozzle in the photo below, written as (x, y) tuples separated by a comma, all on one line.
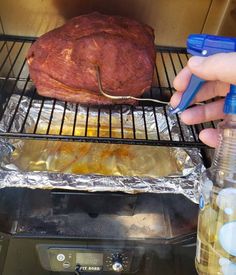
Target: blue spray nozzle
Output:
[(202, 45), (206, 45), (195, 44), (230, 101)]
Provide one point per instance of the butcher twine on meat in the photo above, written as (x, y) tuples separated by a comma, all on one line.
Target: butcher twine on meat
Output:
[(63, 62)]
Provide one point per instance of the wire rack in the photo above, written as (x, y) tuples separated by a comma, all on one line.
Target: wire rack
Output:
[(14, 74)]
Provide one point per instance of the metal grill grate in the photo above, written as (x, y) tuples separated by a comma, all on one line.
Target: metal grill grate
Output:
[(14, 79)]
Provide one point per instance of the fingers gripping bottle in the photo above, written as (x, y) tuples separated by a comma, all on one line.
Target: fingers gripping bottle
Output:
[(216, 239)]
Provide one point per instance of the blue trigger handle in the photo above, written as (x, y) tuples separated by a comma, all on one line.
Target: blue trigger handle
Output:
[(189, 94)]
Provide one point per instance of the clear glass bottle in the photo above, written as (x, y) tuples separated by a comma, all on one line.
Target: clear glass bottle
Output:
[(216, 238)]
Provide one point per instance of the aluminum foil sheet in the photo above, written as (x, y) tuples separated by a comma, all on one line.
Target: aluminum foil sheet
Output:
[(179, 172)]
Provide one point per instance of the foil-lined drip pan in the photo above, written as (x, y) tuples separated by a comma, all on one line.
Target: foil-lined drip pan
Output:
[(90, 166)]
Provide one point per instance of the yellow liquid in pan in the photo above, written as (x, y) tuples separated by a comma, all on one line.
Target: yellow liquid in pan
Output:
[(95, 158), (92, 158)]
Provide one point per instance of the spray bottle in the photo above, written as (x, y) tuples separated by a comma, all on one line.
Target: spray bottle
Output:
[(216, 236)]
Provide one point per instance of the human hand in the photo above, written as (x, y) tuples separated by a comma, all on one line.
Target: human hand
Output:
[(220, 71)]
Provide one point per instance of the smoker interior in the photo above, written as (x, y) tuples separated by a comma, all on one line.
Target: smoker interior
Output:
[(163, 225), (159, 225)]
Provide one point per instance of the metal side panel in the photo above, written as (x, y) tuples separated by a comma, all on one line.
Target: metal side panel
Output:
[(229, 20), (1, 27)]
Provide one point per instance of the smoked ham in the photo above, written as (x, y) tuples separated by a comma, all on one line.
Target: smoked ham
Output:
[(62, 62)]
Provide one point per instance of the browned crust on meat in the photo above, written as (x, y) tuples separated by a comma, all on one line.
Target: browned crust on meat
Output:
[(62, 62)]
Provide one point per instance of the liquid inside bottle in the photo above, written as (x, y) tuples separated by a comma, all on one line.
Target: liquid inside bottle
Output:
[(216, 240)]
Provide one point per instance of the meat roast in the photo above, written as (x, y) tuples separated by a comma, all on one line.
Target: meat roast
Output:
[(62, 62)]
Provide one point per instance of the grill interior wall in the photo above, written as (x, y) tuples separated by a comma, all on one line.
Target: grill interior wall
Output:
[(172, 20)]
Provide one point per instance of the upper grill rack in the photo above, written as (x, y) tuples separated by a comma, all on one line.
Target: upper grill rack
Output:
[(14, 79)]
